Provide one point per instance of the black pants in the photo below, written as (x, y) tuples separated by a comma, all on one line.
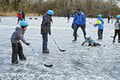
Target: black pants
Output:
[(19, 19), (117, 32), (17, 50), (100, 33), (108, 20), (76, 29), (24, 18), (96, 44), (119, 36)]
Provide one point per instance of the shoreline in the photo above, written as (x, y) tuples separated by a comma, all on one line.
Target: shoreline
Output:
[(15, 14)]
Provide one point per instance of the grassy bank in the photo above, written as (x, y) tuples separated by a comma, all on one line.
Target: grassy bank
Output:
[(15, 14)]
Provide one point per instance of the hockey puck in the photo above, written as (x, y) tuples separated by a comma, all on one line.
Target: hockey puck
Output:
[(36, 18), (30, 18), (112, 36), (48, 65)]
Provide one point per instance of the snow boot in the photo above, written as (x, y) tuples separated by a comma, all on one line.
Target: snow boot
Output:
[(96, 44), (46, 51), (113, 41), (99, 39), (24, 58), (119, 41), (74, 40), (15, 62)]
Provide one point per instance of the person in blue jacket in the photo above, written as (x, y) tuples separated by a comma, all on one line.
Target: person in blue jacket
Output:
[(100, 24), (79, 21)]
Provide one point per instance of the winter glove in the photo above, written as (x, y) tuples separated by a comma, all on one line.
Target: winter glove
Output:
[(27, 43), (95, 25), (49, 33), (43, 30), (73, 25)]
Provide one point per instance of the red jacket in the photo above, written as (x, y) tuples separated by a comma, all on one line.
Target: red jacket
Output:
[(20, 15)]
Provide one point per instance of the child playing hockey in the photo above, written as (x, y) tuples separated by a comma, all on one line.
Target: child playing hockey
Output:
[(17, 49), (46, 29), (90, 42), (100, 24), (117, 29)]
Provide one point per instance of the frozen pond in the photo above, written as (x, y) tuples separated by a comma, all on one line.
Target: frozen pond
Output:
[(76, 63)]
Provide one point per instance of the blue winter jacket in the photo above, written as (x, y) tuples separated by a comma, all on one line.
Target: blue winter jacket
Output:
[(101, 26), (79, 19)]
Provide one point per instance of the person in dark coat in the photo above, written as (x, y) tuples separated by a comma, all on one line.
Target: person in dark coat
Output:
[(17, 49), (68, 17), (109, 17), (117, 29), (46, 29)]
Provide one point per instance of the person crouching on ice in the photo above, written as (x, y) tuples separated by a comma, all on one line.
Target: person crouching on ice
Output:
[(46, 29), (90, 42), (17, 49)]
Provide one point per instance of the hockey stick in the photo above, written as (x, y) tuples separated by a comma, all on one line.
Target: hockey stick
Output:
[(46, 65), (57, 45), (91, 23), (112, 36)]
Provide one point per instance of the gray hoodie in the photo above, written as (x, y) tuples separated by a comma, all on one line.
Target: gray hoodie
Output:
[(117, 26), (17, 36)]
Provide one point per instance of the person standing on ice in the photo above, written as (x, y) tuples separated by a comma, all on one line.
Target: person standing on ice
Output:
[(17, 49), (100, 24), (79, 21), (112, 19), (109, 17), (20, 16), (46, 29), (117, 29), (68, 17)]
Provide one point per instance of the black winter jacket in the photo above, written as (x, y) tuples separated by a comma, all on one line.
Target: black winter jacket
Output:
[(46, 24)]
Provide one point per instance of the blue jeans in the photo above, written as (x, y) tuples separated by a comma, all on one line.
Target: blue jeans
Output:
[(45, 40)]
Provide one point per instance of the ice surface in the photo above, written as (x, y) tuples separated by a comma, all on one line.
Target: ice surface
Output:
[(76, 63)]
